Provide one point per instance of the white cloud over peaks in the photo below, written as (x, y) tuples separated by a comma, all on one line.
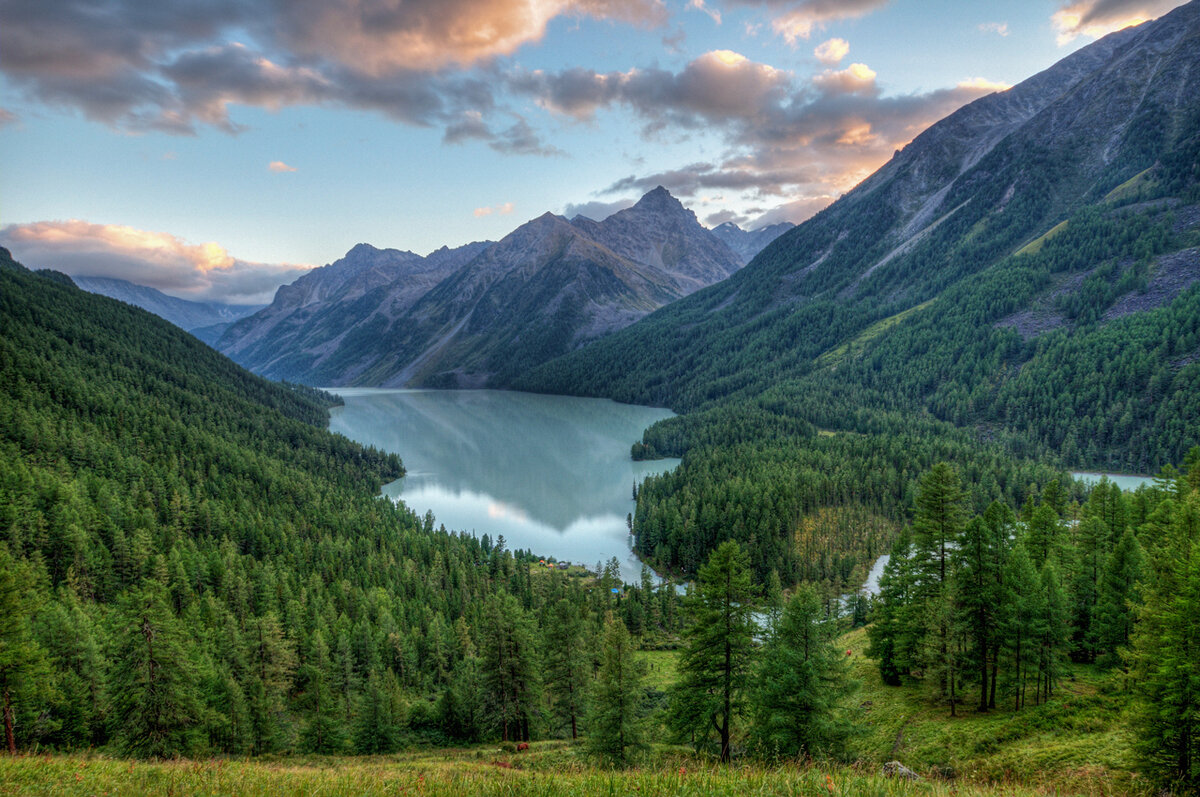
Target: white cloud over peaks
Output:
[(984, 84), (1096, 18), (280, 167), (832, 51), (159, 260)]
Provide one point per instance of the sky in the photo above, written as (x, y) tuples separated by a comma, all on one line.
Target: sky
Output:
[(215, 149)]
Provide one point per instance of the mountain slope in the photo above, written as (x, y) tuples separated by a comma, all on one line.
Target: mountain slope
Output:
[(182, 313), (748, 243), (1024, 274), (967, 193), (485, 313), (308, 319), (540, 292)]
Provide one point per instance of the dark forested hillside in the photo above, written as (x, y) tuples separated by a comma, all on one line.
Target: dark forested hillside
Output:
[(190, 563)]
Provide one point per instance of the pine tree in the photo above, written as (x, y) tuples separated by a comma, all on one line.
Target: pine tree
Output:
[(979, 560), (889, 634), (800, 684), (936, 530), (23, 667), (1120, 593), (375, 726), (615, 725), (1021, 629), (1089, 567), (566, 665), (155, 701), (272, 665), (509, 667), (1166, 658), (1053, 629), (318, 701), (718, 644)]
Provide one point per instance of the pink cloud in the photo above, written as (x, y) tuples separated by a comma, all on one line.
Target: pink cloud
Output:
[(156, 259)]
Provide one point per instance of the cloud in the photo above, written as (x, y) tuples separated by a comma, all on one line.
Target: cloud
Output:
[(794, 211), (799, 20), (832, 51), (176, 65), (160, 260), (856, 78), (984, 84), (1096, 18), (999, 28), (808, 140), (723, 216), (502, 209), (597, 210), (517, 139), (7, 117), (699, 5), (719, 85), (280, 166)]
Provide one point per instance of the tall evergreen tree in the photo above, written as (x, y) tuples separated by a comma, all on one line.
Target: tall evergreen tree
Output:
[(1120, 593), (566, 665), (23, 666), (979, 588), (714, 668), (890, 634), (1054, 631), (1165, 656), (1022, 622), (615, 724), (154, 695), (800, 684), (376, 725), (936, 529), (509, 667), (317, 700)]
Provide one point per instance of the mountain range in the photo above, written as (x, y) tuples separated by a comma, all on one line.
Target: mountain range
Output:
[(205, 320), (486, 312), (1027, 263)]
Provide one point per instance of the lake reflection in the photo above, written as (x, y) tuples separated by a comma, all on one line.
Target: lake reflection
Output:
[(550, 473)]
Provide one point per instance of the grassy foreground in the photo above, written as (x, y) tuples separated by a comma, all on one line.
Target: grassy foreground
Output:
[(1076, 744), (548, 770)]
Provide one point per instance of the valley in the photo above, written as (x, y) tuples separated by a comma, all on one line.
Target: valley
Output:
[(654, 495)]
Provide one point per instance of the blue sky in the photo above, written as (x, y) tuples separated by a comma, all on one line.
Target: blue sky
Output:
[(216, 148)]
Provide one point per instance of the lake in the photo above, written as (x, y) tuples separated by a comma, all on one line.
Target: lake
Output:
[(1123, 480), (550, 473)]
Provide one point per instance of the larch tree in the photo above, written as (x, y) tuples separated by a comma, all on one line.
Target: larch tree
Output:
[(154, 696), (714, 668), (615, 725), (801, 684)]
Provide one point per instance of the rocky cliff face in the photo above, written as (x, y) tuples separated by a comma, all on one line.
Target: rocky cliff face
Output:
[(310, 318), (660, 232), (484, 313)]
